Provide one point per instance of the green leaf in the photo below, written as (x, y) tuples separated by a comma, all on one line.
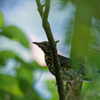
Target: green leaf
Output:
[(4, 55), (37, 66), (1, 20), (33, 96), (90, 91), (29, 92), (7, 54), (93, 59), (25, 73), (16, 34), (24, 85), (51, 86), (2, 62), (2, 94), (10, 84), (6, 95)]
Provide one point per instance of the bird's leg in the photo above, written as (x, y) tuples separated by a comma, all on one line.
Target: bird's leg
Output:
[(71, 86)]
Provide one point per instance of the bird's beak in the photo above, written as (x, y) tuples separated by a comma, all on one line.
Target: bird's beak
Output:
[(35, 43), (57, 41)]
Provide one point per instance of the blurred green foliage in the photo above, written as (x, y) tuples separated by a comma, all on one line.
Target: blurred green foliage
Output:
[(53, 88), (20, 85)]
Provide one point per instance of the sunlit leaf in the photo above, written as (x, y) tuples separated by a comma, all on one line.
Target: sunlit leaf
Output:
[(90, 91), (6, 95), (10, 84), (51, 86)]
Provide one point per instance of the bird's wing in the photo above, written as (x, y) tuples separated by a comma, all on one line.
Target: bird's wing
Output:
[(75, 65), (80, 68), (64, 61)]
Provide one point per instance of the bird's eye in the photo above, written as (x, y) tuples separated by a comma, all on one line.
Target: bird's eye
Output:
[(45, 44)]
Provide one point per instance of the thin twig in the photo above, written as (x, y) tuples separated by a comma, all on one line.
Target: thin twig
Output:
[(40, 7), (48, 31)]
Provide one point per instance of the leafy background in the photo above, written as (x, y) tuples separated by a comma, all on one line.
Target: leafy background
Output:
[(21, 75)]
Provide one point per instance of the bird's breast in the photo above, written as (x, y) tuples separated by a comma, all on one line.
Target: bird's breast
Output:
[(49, 63)]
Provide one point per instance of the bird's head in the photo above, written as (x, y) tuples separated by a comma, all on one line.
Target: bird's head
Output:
[(44, 46)]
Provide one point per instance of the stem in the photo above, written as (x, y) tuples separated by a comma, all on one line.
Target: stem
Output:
[(48, 32)]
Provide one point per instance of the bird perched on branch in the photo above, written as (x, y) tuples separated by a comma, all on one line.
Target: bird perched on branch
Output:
[(71, 71)]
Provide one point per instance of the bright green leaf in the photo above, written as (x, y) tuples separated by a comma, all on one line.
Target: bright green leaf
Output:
[(51, 86), (10, 84), (37, 66), (1, 20)]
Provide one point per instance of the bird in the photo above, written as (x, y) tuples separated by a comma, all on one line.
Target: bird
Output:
[(71, 71)]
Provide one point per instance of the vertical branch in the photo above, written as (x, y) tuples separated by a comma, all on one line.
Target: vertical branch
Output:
[(48, 31)]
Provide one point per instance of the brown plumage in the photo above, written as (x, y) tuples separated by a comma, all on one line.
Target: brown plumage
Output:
[(70, 71)]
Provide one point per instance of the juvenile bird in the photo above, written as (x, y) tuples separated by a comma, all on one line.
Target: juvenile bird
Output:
[(71, 71)]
